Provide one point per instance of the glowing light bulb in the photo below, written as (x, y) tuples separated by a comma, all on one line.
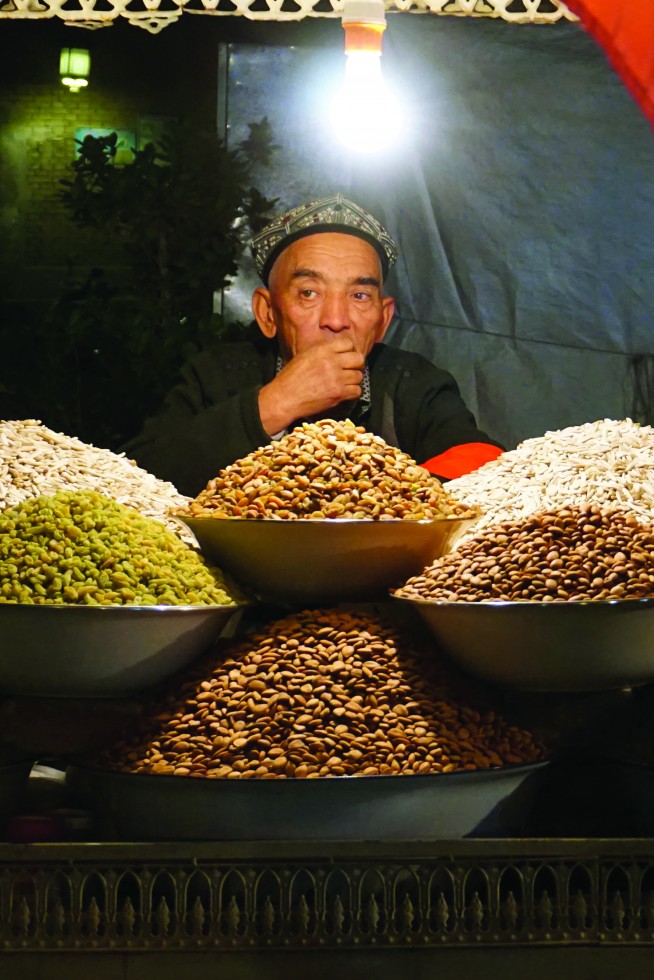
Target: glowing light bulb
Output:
[(365, 113)]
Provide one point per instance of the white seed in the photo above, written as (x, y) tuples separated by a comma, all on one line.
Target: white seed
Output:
[(608, 463), (35, 460)]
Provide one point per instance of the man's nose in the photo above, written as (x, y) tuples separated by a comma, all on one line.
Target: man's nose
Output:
[(335, 314)]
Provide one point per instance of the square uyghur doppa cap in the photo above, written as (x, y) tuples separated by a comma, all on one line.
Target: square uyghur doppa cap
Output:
[(335, 214)]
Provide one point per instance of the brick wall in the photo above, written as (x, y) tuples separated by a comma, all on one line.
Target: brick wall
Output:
[(135, 78)]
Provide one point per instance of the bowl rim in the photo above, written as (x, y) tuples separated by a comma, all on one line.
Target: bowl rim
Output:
[(522, 604), (322, 521), (166, 609), (490, 771)]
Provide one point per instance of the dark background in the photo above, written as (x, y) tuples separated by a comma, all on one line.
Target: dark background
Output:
[(523, 203)]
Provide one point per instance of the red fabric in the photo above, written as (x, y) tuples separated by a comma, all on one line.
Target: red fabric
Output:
[(460, 460), (625, 29)]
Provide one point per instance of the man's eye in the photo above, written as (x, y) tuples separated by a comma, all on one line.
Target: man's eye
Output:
[(362, 296), (307, 293)]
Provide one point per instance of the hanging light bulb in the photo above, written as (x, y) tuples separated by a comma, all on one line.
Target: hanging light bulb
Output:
[(365, 113)]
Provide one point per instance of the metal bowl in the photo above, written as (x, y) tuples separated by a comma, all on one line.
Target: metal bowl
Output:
[(323, 560), (547, 646), (421, 807), (101, 651)]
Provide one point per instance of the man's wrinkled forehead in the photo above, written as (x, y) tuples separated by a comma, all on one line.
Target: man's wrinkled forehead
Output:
[(323, 256)]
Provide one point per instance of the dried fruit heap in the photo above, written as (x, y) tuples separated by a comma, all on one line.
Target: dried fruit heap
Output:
[(326, 469), (81, 547), (322, 693)]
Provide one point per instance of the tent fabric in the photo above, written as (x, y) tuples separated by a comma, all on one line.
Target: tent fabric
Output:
[(626, 32), (522, 205)]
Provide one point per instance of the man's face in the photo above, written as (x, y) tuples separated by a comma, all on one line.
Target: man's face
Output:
[(322, 286)]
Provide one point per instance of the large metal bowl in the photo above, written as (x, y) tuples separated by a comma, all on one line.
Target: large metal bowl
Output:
[(546, 646), (139, 806), (323, 560), (101, 651)]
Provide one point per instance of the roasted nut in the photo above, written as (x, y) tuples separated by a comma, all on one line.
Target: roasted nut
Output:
[(412, 714), (570, 554), (326, 470)]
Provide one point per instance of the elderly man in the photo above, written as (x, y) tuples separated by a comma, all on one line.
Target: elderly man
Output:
[(316, 352)]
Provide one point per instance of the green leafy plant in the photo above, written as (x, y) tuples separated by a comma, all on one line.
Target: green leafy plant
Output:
[(181, 213)]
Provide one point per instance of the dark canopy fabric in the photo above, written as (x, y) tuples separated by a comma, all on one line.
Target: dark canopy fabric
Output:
[(523, 207)]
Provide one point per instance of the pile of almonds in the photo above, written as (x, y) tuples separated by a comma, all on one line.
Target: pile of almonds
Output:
[(322, 693), (326, 469), (570, 553)]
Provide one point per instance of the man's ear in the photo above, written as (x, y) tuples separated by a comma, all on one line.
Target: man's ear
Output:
[(388, 309), (263, 312)]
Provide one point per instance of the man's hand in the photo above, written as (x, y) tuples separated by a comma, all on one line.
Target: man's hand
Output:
[(321, 376)]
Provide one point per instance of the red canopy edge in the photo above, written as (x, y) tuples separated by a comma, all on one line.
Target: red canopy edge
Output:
[(625, 29)]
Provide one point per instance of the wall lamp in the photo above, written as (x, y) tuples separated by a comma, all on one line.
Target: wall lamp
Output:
[(74, 68)]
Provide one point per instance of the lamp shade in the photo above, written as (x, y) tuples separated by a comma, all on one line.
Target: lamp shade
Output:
[(74, 67)]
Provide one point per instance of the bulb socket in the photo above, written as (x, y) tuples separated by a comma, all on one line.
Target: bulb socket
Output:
[(363, 37)]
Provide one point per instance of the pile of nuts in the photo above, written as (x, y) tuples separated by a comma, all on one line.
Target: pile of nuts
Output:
[(80, 547), (323, 470), (319, 693), (571, 554), (35, 460)]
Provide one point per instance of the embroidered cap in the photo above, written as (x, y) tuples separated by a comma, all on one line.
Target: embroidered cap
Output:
[(333, 213)]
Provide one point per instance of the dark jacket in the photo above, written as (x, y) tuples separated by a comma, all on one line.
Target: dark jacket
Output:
[(211, 418)]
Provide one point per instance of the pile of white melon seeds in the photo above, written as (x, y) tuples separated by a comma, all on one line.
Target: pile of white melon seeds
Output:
[(606, 463), (35, 460)]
